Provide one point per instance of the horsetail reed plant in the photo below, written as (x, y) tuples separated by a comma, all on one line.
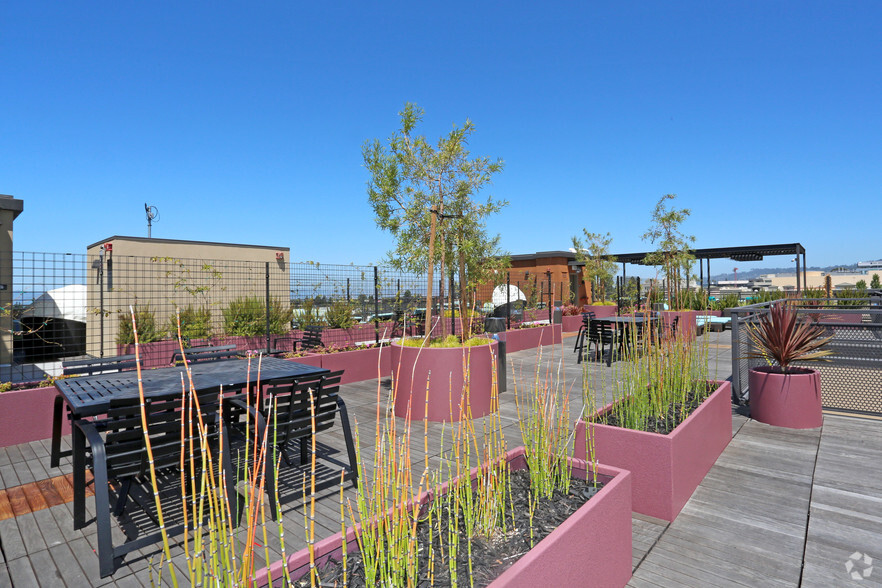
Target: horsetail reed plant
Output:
[(662, 378), (213, 555), (545, 431), (157, 501)]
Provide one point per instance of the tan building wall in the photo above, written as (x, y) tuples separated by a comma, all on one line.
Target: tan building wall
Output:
[(815, 279), (166, 274), (10, 208)]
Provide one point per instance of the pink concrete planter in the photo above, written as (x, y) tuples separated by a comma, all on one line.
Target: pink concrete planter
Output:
[(571, 324), (155, 354), (551, 335), (313, 359), (411, 367), (791, 400), (26, 415), (666, 468), (531, 337), (592, 547), (687, 324), (520, 339), (362, 364)]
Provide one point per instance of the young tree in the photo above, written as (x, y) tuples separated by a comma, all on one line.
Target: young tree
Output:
[(673, 246), (874, 282), (423, 195), (598, 270)]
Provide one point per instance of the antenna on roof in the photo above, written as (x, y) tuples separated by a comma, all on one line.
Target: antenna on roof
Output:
[(152, 213)]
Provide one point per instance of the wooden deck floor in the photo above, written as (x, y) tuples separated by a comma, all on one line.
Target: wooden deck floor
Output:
[(746, 525)]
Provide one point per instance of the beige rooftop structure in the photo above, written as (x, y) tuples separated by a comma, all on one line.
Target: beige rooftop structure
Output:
[(167, 273)]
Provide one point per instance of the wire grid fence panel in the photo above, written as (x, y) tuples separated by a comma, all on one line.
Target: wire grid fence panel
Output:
[(65, 306), (43, 309), (851, 381), (220, 302)]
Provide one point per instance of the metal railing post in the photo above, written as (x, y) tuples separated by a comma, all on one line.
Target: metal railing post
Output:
[(267, 308), (376, 305)]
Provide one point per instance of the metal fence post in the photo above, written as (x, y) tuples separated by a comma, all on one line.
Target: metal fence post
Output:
[(376, 305), (508, 299), (267, 308), (736, 357)]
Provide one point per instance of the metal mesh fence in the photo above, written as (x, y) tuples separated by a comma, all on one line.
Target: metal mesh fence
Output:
[(852, 380), (59, 307)]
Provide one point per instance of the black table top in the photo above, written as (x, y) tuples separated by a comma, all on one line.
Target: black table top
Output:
[(91, 395)]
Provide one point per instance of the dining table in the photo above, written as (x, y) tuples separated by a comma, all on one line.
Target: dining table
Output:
[(89, 396)]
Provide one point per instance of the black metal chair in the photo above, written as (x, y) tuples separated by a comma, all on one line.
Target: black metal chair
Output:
[(201, 354), (602, 334), (293, 422), (117, 452), (311, 338), (81, 367), (582, 335)]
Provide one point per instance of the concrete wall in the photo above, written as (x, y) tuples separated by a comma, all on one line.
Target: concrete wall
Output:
[(167, 274), (10, 208)]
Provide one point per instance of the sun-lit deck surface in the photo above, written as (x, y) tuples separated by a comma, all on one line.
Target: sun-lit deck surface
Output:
[(780, 507)]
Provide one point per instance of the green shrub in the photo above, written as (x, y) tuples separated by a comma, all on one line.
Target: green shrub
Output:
[(195, 323), (307, 315), (339, 315), (146, 322), (246, 317)]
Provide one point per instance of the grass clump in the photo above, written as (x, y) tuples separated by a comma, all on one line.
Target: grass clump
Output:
[(195, 323), (147, 331), (449, 341), (246, 316)]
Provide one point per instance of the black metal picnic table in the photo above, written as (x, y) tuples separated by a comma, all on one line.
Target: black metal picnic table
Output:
[(91, 395)]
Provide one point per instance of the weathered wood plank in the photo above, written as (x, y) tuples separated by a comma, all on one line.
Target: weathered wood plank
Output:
[(6, 511), (18, 501)]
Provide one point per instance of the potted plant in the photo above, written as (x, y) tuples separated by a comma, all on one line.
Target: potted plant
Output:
[(425, 196), (782, 394), (445, 380), (666, 423), (553, 519)]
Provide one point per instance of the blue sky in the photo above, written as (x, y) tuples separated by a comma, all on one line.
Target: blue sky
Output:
[(243, 122)]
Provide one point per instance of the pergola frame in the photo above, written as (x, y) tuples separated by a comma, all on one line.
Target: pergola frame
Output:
[(744, 253)]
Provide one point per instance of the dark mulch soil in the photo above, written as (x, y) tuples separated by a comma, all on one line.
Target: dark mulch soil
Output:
[(676, 414), (490, 556)]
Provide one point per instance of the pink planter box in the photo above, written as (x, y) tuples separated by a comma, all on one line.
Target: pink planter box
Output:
[(592, 547), (687, 325), (312, 359), (26, 415), (520, 339), (411, 369), (666, 468), (571, 324), (363, 364)]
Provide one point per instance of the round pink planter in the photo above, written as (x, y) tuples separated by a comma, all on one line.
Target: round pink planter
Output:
[(790, 400), (411, 369)]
